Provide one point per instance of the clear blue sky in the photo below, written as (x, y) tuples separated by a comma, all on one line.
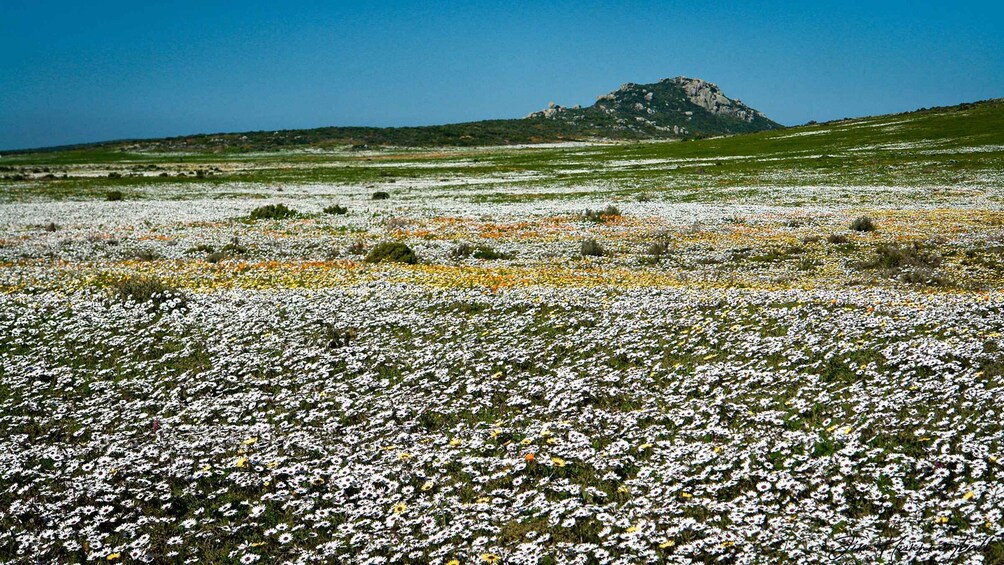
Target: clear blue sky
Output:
[(73, 71)]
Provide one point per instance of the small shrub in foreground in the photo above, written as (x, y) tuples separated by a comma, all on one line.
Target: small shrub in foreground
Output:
[(864, 223), (392, 251), (336, 210), (114, 195), (143, 289), (380, 195), (271, 212), (591, 248), (600, 216)]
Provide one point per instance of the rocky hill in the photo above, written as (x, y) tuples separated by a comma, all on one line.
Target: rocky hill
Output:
[(672, 107)]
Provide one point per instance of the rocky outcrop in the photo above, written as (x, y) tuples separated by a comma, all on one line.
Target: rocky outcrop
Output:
[(672, 107)]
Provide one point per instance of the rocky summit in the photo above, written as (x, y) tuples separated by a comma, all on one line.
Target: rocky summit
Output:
[(672, 107)]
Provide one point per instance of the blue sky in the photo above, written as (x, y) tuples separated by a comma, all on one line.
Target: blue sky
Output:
[(85, 71)]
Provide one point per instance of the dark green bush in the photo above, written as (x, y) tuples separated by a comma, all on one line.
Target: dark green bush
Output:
[(114, 195), (487, 253), (151, 290), (336, 210), (272, 212), (896, 256), (864, 223), (591, 248), (837, 238), (392, 251), (380, 195)]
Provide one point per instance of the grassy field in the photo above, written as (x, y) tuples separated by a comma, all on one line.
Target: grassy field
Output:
[(783, 346)]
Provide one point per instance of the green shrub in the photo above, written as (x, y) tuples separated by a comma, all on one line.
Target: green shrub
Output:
[(151, 290), (591, 248), (380, 195), (392, 251), (864, 223), (600, 216), (114, 195), (836, 238), (336, 210), (659, 248), (487, 253), (271, 212), (895, 256)]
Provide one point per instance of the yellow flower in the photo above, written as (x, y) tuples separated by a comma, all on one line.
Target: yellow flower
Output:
[(631, 530), (455, 442), (428, 485), (490, 558), (251, 441), (527, 441), (207, 467), (242, 462), (114, 556), (644, 446), (941, 520), (400, 507), (558, 461), (483, 500), (317, 481), (403, 456), (718, 449), (968, 495), (667, 544), (453, 562), (686, 495)]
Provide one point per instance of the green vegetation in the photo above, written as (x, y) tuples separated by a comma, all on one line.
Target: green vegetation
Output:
[(392, 251), (863, 223), (591, 248), (272, 212)]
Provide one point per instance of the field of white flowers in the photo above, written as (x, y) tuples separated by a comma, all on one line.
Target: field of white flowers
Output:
[(744, 380)]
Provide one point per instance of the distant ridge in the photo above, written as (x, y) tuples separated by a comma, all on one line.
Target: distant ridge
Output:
[(673, 108)]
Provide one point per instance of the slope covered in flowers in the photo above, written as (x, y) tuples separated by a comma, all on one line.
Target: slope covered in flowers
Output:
[(727, 372)]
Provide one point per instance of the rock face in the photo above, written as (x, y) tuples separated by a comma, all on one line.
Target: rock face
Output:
[(672, 107)]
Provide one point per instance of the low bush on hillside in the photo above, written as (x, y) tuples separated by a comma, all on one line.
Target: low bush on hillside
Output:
[(864, 223), (271, 212), (591, 248), (600, 216), (392, 251)]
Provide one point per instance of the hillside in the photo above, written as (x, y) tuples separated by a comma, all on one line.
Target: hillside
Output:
[(669, 109)]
